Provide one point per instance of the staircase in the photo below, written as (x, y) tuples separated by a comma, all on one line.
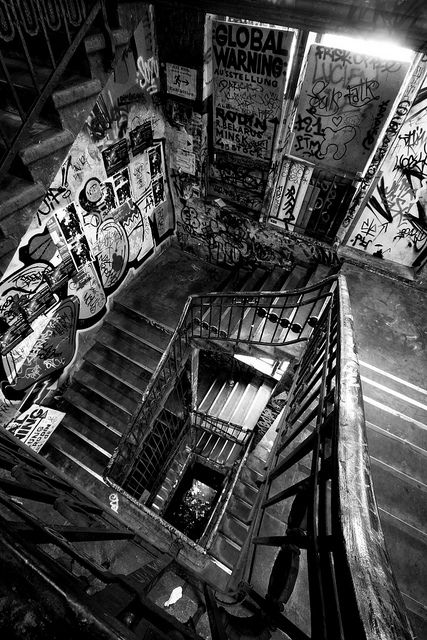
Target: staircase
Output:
[(396, 415), (28, 174)]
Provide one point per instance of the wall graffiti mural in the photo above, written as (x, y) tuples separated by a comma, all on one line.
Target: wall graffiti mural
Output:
[(105, 210), (345, 100), (222, 236), (393, 220)]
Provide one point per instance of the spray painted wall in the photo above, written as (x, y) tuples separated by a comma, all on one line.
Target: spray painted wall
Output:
[(392, 222), (103, 216)]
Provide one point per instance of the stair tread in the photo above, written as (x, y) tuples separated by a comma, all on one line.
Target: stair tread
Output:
[(95, 407), (397, 452), (101, 380), (400, 495), (39, 134), (140, 328), (86, 378), (132, 375), (135, 350), (81, 450), (225, 550), (16, 193), (91, 431)]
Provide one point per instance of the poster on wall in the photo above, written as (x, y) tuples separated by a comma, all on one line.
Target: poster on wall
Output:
[(345, 100), (249, 74), (35, 425)]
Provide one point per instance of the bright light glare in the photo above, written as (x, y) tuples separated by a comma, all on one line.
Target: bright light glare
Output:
[(377, 48)]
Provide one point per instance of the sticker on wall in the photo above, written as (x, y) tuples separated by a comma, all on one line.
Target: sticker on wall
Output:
[(35, 425), (249, 72), (140, 176), (115, 157), (181, 81), (52, 351), (155, 159), (141, 137), (345, 100), (122, 186), (86, 286), (113, 252)]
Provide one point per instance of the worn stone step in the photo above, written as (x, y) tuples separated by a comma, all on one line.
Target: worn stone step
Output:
[(377, 392), (97, 407), (401, 495), (83, 450), (133, 375), (225, 550), (131, 348), (233, 529), (69, 464), (41, 151), (240, 509), (397, 452), (399, 424), (118, 399), (408, 551), (105, 383), (245, 492), (135, 324), (89, 430)]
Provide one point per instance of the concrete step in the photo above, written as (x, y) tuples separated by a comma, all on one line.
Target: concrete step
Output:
[(115, 401), (407, 549), (42, 150), (121, 368), (97, 407), (89, 430), (90, 456), (105, 384), (400, 494), (234, 529), (225, 550), (134, 349), (137, 325), (397, 452)]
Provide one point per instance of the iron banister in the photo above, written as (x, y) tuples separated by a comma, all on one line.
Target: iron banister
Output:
[(378, 599)]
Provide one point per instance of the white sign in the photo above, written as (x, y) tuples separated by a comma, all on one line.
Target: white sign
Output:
[(35, 425), (181, 81)]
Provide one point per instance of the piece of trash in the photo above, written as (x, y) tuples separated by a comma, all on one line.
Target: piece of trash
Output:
[(174, 596)]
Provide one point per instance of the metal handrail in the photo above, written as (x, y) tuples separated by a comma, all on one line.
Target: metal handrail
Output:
[(26, 29), (299, 307), (213, 424), (328, 504)]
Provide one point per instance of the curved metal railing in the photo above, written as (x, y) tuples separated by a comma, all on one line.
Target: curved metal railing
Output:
[(327, 552)]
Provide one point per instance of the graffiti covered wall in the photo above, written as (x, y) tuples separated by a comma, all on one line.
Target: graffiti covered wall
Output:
[(392, 222), (105, 212)]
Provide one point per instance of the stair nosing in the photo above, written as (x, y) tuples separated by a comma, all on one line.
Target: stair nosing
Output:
[(101, 394), (109, 323), (138, 364), (82, 436), (79, 463), (93, 416), (101, 367)]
